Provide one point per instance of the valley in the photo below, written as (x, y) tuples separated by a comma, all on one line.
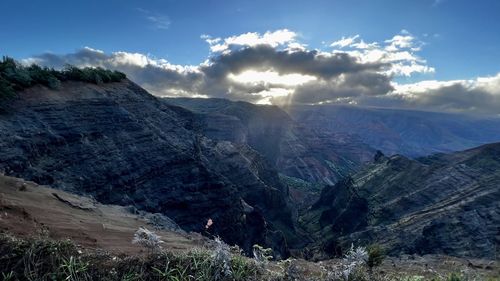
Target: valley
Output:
[(259, 175)]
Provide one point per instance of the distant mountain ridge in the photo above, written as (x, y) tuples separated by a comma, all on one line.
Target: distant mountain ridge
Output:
[(406, 132)]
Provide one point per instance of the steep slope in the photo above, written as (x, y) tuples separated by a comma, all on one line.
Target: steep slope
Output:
[(443, 204), (123, 146), (406, 132), (31, 210), (298, 152)]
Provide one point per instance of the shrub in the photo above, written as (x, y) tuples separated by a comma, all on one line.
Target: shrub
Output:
[(16, 77), (242, 268), (376, 255), (33, 259), (43, 76), (221, 258), (147, 239), (455, 277), (262, 255), (6, 89), (19, 77), (45, 259), (16, 74), (357, 255), (95, 75), (352, 262)]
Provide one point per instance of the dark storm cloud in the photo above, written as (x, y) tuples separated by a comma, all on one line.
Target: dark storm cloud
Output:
[(481, 97), (351, 85), (459, 98), (308, 62)]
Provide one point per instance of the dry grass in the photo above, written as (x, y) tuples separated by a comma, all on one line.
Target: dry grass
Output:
[(45, 259)]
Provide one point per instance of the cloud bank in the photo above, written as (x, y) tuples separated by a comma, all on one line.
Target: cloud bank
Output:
[(275, 67)]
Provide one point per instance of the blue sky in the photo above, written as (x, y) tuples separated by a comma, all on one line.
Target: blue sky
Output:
[(466, 43), (458, 39)]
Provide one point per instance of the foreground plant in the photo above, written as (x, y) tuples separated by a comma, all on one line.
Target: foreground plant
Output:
[(376, 256), (45, 259), (74, 269), (353, 261), (262, 255), (147, 239), (221, 258)]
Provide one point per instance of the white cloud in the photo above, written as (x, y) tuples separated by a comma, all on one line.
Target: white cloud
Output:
[(407, 70), (362, 45), (490, 84), (271, 38), (158, 21), (344, 42), (479, 95), (399, 53), (423, 87), (400, 42)]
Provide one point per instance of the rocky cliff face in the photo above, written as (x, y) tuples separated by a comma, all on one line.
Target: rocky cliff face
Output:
[(297, 151), (405, 132), (234, 162), (123, 146), (443, 204)]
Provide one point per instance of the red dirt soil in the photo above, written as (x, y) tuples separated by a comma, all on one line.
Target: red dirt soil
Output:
[(31, 210)]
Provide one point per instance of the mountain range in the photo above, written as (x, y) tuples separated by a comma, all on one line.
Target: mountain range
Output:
[(407, 132), (297, 179)]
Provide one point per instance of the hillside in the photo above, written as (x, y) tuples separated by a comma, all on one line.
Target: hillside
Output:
[(60, 227), (442, 204), (121, 145), (31, 210)]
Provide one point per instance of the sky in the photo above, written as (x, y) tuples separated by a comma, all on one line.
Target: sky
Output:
[(441, 55)]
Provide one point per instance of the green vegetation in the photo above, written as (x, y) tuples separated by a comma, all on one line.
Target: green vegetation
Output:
[(300, 184), (376, 256), (16, 77), (262, 255), (450, 277), (44, 259), (96, 75)]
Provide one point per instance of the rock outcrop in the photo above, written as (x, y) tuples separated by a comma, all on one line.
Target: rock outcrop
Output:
[(442, 204)]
